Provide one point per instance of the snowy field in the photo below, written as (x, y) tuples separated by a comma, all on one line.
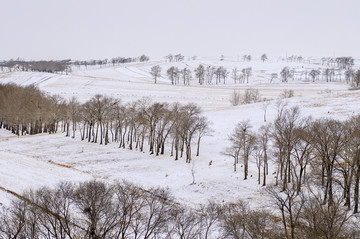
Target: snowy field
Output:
[(34, 161)]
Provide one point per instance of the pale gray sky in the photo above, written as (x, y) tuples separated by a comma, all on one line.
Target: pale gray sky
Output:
[(84, 29)]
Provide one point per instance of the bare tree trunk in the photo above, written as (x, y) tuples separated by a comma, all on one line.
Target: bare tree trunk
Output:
[(356, 190), (198, 146)]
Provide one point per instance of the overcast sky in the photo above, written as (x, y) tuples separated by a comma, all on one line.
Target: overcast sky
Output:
[(90, 29)]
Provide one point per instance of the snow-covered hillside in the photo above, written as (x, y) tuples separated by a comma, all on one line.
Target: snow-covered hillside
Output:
[(33, 161)]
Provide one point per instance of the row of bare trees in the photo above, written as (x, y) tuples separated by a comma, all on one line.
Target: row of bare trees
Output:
[(122, 210), (327, 74), (26, 110), (113, 61), (136, 124), (62, 66), (325, 150), (204, 74), (176, 58), (216, 75)]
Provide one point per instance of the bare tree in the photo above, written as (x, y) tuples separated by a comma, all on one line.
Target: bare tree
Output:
[(173, 74), (327, 139), (285, 74), (235, 98), (94, 201), (187, 224), (285, 136), (353, 125), (356, 81), (235, 74), (186, 76), (262, 144), (290, 205), (243, 141), (234, 220), (155, 72), (203, 129), (200, 73), (314, 74), (264, 57)]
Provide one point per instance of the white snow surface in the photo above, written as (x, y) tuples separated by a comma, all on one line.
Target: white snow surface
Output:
[(44, 160)]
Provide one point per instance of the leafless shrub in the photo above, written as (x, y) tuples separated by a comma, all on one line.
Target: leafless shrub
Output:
[(235, 98), (287, 94), (251, 96)]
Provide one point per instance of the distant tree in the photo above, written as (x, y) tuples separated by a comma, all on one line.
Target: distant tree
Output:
[(247, 57), (246, 72), (144, 58), (285, 74), (329, 74), (264, 57), (200, 73), (155, 72), (173, 74), (349, 75), (186, 76), (220, 72), (178, 57), (235, 74), (209, 74), (273, 76), (169, 57), (314, 74), (356, 81), (344, 63)]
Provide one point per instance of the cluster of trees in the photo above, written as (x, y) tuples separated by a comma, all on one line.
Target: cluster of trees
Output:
[(296, 58), (325, 150), (344, 63), (204, 74), (250, 96), (175, 58), (327, 74), (113, 61), (176, 75), (246, 57), (26, 110), (96, 210), (62, 66)]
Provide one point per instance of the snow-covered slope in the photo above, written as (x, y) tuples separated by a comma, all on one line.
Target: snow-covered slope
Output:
[(33, 161)]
